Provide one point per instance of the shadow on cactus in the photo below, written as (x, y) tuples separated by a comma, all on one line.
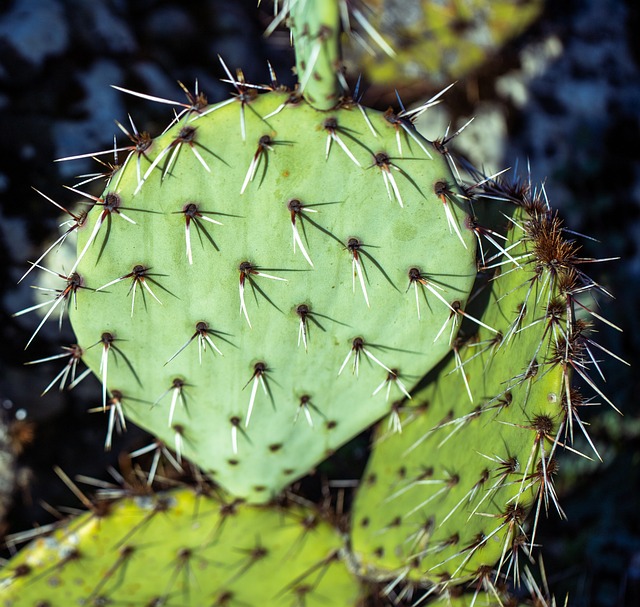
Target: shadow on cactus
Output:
[(270, 277)]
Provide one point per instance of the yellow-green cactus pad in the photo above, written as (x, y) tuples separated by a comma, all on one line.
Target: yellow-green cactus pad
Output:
[(437, 41), (182, 548)]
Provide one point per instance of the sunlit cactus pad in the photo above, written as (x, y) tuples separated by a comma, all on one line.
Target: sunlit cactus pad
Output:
[(182, 548), (456, 472), (408, 42), (259, 282)]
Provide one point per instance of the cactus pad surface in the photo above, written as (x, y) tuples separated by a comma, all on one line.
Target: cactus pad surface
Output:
[(180, 548), (455, 474), (249, 286)]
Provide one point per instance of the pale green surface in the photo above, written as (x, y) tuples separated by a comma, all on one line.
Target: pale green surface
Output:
[(405, 485), (352, 202), (315, 27), (190, 551)]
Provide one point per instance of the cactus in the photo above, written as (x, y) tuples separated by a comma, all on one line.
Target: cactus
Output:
[(501, 396), (418, 41), (241, 284), (268, 278), (183, 547)]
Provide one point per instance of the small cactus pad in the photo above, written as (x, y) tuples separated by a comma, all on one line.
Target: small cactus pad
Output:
[(182, 548), (456, 471), (255, 284)]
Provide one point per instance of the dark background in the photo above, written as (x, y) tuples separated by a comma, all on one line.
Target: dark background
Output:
[(564, 97)]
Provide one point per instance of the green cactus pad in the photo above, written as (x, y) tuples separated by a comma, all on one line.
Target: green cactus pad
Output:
[(260, 343), (182, 548), (447, 497)]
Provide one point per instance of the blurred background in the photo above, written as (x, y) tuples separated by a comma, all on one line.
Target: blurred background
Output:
[(554, 86)]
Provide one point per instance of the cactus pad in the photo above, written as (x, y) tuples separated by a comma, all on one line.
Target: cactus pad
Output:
[(253, 285), (456, 472), (437, 42), (181, 548)]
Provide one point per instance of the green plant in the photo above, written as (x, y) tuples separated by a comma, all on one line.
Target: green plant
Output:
[(202, 549), (268, 278)]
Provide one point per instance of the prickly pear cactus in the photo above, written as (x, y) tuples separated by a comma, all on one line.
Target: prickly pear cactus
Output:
[(455, 473), (183, 548), (413, 41), (244, 287), (266, 279)]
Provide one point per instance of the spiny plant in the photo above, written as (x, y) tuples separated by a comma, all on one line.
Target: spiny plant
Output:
[(265, 280), (204, 551), (501, 396), (420, 40), (242, 284)]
